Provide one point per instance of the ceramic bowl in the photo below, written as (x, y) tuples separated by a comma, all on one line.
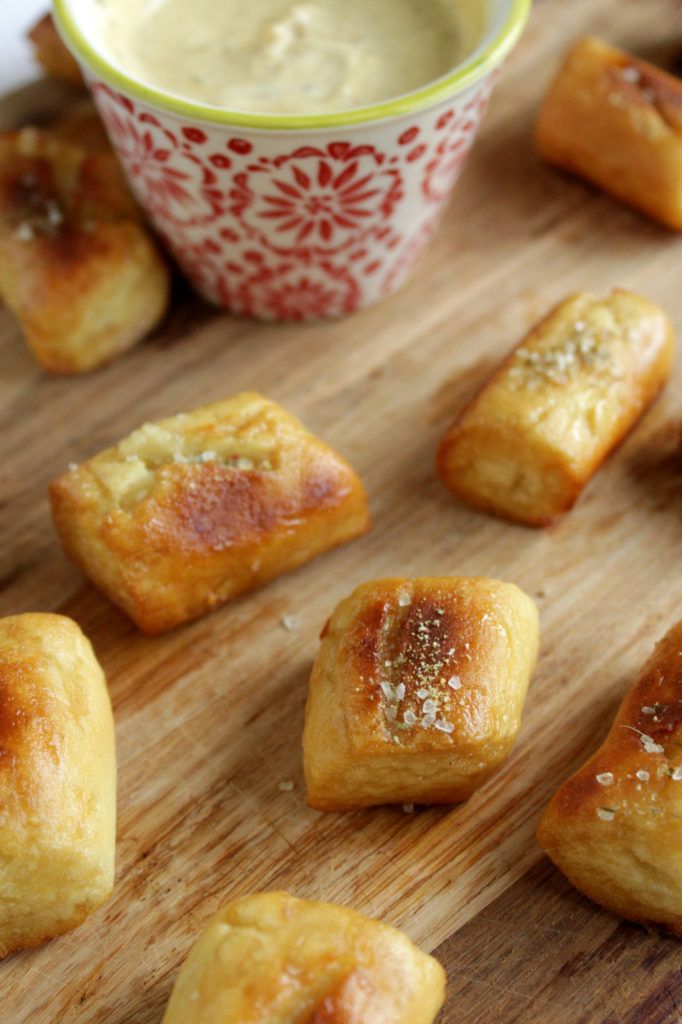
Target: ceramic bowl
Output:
[(293, 217)]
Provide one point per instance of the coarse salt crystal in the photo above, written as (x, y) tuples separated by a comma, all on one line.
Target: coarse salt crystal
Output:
[(605, 779), (404, 600), (444, 726), (54, 214), (409, 718), (676, 774), (630, 73), (455, 682), (24, 232), (642, 775), (422, 693), (605, 813), (648, 711), (400, 692), (650, 744), (290, 623)]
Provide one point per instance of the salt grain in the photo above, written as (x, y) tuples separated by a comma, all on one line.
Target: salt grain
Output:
[(24, 232), (455, 682), (290, 623), (605, 813), (630, 74), (605, 779), (650, 746)]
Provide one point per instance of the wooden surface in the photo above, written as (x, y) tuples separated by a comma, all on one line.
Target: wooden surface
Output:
[(209, 717)]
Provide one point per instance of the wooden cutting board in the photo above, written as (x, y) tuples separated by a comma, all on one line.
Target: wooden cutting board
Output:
[(209, 717)]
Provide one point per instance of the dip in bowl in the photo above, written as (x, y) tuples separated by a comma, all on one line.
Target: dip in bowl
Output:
[(295, 155)]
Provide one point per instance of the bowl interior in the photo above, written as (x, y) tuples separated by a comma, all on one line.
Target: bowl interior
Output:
[(82, 24)]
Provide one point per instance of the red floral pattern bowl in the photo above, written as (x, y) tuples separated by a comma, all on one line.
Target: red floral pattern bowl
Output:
[(294, 217)]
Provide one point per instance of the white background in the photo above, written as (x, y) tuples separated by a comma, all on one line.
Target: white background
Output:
[(16, 64)]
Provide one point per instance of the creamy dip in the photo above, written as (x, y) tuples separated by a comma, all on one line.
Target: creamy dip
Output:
[(291, 56)]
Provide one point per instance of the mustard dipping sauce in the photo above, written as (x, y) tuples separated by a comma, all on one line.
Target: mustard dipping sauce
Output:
[(291, 56)]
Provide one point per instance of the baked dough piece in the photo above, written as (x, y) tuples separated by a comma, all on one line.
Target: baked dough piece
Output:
[(186, 513), (527, 444), (274, 959), (417, 691), (50, 52), (615, 827), (617, 121), (77, 267), (57, 780)]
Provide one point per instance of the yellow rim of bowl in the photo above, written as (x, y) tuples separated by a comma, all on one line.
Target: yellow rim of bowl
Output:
[(464, 75)]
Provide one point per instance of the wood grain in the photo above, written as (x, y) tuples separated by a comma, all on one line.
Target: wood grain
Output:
[(209, 717)]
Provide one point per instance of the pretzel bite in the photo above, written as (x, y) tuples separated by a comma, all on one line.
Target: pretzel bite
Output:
[(274, 959), (57, 780), (50, 52), (617, 121), (186, 513), (77, 268), (417, 691), (615, 827), (529, 442)]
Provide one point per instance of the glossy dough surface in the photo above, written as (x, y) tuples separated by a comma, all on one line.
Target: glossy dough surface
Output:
[(527, 444), (57, 780), (615, 827), (274, 959), (77, 267), (417, 691), (617, 121), (185, 513)]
